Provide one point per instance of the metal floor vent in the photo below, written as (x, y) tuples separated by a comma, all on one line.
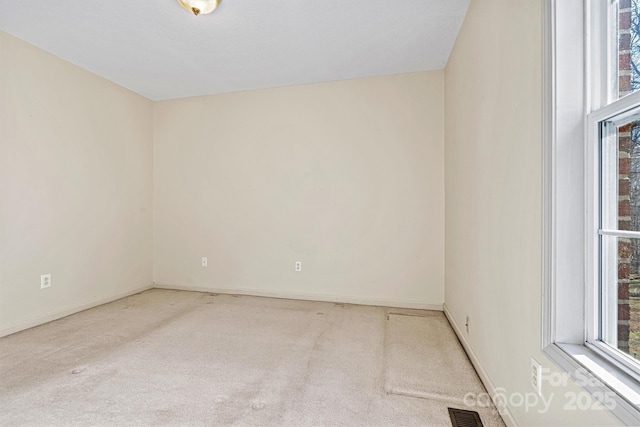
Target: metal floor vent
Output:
[(462, 418)]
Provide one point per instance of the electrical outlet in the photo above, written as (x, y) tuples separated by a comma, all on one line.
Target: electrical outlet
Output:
[(536, 376), (204, 261), (298, 266), (45, 281), (467, 324)]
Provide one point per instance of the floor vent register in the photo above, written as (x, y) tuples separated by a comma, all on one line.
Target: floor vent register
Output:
[(462, 418)]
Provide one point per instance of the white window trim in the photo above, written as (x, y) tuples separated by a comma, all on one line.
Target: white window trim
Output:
[(566, 308), (622, 109)]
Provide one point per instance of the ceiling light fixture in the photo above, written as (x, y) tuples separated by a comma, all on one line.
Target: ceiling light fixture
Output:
[(198, 7)]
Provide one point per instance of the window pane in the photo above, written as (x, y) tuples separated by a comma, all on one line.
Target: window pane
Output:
[(620, 211), (620, 178), (627, 34), (620, 311)]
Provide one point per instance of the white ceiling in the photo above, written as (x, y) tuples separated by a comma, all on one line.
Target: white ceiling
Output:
[(159, 50)]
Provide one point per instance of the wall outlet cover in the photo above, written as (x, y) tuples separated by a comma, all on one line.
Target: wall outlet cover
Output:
[(536, 376), (45, 281)]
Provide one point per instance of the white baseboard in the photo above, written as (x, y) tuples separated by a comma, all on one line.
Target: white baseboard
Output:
[(302, 296), (482, 373), (21, 326), (68, 311)]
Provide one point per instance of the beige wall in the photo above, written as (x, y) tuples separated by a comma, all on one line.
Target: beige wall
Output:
[(493, 200), (75, 187), (347, 177)]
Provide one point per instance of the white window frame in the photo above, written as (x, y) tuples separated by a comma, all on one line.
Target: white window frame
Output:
[(570, 162), (619, 111)]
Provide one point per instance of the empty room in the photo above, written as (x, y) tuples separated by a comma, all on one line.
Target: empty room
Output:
[(336, 213)]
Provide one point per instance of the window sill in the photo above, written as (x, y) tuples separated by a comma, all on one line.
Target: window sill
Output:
[(600, 377)]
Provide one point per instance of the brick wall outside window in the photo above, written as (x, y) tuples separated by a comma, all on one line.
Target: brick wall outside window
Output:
[(628, 165)]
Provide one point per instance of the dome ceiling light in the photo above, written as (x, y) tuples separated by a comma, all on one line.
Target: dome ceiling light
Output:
[(198, 7)]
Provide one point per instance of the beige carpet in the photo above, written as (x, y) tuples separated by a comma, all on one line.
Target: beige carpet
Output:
[(433, 366), (184, 358)]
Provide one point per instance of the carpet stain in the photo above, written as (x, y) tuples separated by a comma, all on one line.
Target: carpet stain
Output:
[(78, 371), (258, 406)]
